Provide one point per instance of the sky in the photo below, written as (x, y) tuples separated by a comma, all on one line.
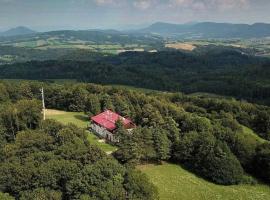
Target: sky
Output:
[(88, 14)]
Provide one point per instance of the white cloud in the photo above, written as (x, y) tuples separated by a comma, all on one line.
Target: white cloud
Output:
[(104, 2), (143, 4), (209, 4)]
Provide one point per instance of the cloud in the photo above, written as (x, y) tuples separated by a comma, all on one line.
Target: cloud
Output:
[(209, 4), (143, 4), (197, 5), (104, 2)]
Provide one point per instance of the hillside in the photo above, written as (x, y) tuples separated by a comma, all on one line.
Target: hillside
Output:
[(223, 141), (222, 71), (209, 30), (18, 31), (80, 37), (174, 183)]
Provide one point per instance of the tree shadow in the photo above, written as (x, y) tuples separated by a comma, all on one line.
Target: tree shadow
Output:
[(82, 117)]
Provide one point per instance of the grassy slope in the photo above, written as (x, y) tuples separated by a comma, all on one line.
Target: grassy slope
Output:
[(175, 183), (250, 132), (81, 121)]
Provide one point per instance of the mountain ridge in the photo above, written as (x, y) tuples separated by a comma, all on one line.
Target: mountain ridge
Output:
[(209, 30), (17, 31)]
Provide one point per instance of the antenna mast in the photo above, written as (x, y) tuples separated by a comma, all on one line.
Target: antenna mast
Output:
[(43, 104)]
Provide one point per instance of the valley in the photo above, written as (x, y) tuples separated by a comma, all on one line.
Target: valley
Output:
[(169, 112)]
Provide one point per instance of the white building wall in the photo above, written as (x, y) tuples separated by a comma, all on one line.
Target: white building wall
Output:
[(102, 132)]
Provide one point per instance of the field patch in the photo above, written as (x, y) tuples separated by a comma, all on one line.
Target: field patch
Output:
[(81, 120), (182, 46), (175, 183)]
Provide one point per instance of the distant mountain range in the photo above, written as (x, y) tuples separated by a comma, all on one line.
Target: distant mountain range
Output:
[(202, 30), (21, 30), (209, 30)]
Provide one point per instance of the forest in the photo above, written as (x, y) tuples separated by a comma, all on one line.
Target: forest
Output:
[(205, 135), (218, 70), (47, 160)]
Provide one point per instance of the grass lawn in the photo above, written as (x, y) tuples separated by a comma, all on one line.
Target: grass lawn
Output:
[(175, 183), (81, 120)]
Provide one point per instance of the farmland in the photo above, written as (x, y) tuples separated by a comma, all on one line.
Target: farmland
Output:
[(55, 43), (182, 46), (259, 47)]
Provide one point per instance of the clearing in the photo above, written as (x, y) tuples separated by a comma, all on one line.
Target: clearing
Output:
[(175, 183), (81, 120), (183, 46)]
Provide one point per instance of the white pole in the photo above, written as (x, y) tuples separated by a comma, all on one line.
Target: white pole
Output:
[(43, 104)]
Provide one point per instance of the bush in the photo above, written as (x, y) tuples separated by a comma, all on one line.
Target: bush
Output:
[(138, 186)]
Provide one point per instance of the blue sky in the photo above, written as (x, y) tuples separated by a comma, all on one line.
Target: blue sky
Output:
[(85, 14)]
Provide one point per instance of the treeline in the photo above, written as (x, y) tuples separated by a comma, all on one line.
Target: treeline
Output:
[(47, 160), (225, 71), (209, 136)]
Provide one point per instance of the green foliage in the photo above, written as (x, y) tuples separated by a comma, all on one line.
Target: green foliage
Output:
[(205, 134), (57, 162), (262, 162), (20, 116), (4, 96), (41, 193), (138, 187), (94, 180), (224, 71), (4, 196), (161, 144), (92, 105), (209, 157)]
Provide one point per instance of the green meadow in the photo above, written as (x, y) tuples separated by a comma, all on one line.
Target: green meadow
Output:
[(82, 121), (173, 181), (176, 183)]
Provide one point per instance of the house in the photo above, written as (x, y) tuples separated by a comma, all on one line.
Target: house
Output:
[(104, 124)]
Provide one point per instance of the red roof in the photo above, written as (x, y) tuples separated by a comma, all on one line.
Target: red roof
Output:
[(107, 119)]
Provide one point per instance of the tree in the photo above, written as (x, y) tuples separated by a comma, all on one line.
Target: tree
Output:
[(151, 117), (10, 122), (29, 113), (103, 180), (106, 103), (4, 96), (128, 149), (208, 157), (92, 105), (138, 186), (41, 193), (162, 144), (146, 143), (221, 166), (4, 196), (172, 128), (262, 162)]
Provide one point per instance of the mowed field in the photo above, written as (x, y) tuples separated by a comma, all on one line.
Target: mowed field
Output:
[(175, 183), (81, 120)]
